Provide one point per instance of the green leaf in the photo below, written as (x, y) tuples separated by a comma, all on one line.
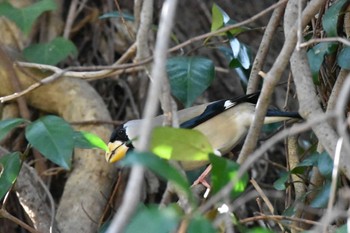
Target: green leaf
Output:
[(316, 55), (50, 53), (7, 125), (242, 60), (343, 58), (223, 172), (25, 17), (86, 140), (117, 14), (325, 164), (154, 219), (10, 165), (310, 161), (234, 63), (280, 183), (200, 224), (235, 46), (330, 18), (220, 19), (189, 77), (342, 229), (180, 144), (259, 230), (217, 18), (54, 138), (158, 166), (321, 199)]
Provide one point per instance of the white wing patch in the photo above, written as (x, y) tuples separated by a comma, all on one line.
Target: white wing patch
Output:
[(228, 104)]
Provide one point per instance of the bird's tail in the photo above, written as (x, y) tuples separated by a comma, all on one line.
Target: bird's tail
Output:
[(277, 113), (273, 116)]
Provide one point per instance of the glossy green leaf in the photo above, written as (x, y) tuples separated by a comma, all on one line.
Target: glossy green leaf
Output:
[(10, 165), (309, 161), (189, 77), (316, 55), (180, 144), (158, 166), (343, 58), (321, 199), (280, 183), (25, 17), (325, 164), (7, 125), (54, 138), (154, 219), (88, 140), (117, 14), (235, 46), (242, 60), (331, 16), (234, 63), (224, 171), (50, 53), (342, 229), (200, 224)]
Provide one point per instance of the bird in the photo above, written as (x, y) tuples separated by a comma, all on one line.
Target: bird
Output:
[(224, 122)]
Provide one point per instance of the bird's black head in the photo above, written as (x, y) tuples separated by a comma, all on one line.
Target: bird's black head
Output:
[(119, 134)]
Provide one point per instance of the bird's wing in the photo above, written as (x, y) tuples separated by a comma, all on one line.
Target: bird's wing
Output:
[(215, 108)]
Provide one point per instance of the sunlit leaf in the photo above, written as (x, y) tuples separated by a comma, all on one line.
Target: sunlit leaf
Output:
[(189, 77), (235, 46), (180, 144), (7, 125), (223, 172), (259, 230), (9, 169), (50, 53), (217, 18), (26, 16), (54, 138), (220, 19), (88, 140)]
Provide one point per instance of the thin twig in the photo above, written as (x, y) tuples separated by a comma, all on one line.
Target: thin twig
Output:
[(266, 199), (327, 39), (278, 218)]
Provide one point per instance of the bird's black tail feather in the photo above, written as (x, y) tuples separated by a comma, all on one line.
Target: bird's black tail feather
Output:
[(274, 112)]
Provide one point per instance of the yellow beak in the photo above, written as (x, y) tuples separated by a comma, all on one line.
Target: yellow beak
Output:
[(116, 151)]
